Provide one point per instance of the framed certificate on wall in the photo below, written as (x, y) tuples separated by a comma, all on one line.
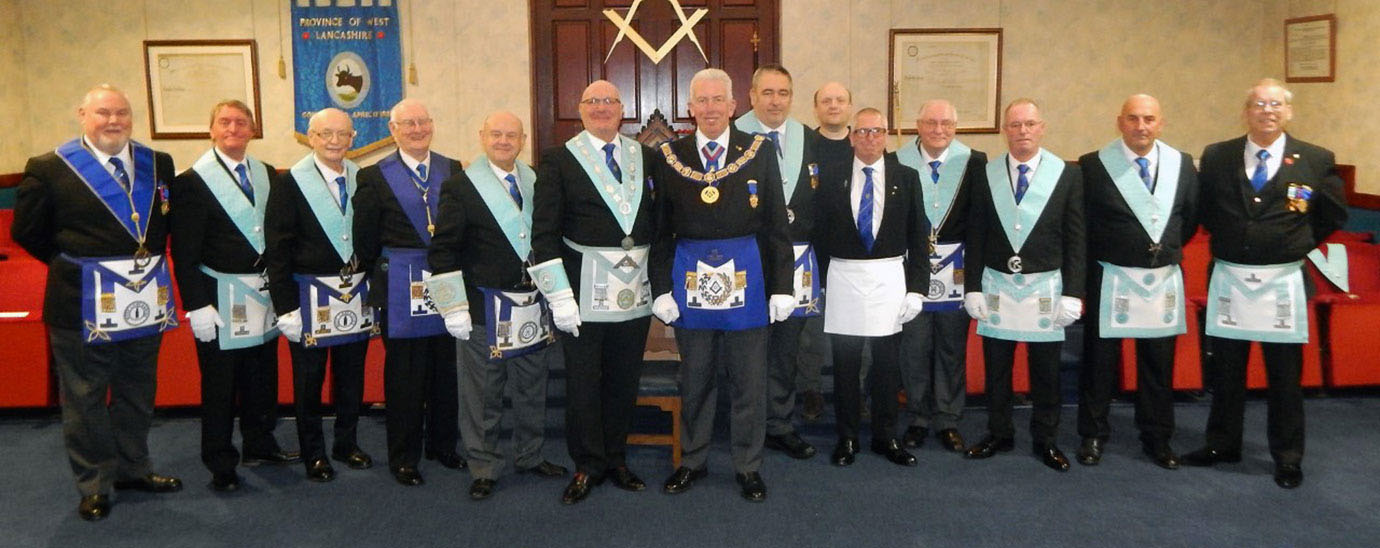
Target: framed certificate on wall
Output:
[(1310, 49), (962, 66), (187, 77)]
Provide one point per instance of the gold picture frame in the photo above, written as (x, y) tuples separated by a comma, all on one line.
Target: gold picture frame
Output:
[(186, 77)]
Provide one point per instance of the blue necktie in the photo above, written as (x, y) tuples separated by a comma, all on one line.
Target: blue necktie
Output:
[(775, 137), (120, 175), (244, 182), (513, 189), (934, 172), (344, 192), (1022, 182), (865, 211), (421, 176), (613, 164), (1145, 173), (1261, 174), (711, 156)]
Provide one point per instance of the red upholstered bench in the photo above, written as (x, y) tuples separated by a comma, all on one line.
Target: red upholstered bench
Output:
[(1351, 319), (28, 378)]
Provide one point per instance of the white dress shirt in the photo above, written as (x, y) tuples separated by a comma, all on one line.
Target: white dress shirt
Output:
[(500, 173), (412, 163), (1276, 150), (1153, 158), (943, 157), (722, 140), (598, 145), (1013, 171), (878, 190), (125, 156), (330, 176)]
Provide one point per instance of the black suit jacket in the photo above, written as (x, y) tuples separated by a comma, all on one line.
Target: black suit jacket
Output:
[(55, 212), (800, 225), (469, 239), (955, 227), (380, 221), (1119, 238), (681, 214), (296, 244), (1058, 241), (1260, 229), (203, 234), (904, 229)]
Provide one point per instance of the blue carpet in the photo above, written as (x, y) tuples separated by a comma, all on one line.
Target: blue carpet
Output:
[(1008, 500)]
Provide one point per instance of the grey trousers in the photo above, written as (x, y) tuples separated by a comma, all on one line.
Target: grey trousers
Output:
[(105, 442), (934, 355), (743, 355), (782, 371), (815, 353), (482, 383)]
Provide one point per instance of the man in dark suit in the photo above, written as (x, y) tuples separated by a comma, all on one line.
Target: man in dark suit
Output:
[(95, 210), (934, 346), (319, 290), (1268, 199), (479, 260), (872, 235), (1142, 196), (591, 232), (1025, 262), (795, 144), (395, 216), (218, 240), (721, 249)]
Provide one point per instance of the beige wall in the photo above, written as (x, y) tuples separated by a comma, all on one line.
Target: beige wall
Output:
[(13, 101)]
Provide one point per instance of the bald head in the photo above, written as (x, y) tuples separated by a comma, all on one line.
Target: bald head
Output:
[(833, 104), (502, 138), (107, 120), (601, 110), (1140, 123)]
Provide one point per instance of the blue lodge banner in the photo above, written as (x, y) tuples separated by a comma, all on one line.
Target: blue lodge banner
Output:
[(347, 54)]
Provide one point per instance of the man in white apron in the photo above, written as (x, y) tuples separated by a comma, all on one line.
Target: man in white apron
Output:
[(319, 291), (592, 228), (934, 347), (480, 284), (95, 211), (218, 241), (1142, 196), (1026, 263), (1268, 199), (874, 239)]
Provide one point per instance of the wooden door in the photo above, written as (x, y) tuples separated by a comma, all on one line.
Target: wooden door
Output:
[(573, 44)]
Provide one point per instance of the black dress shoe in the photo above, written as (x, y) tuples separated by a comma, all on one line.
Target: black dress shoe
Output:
[(1090, 451), (274, 457), (1052, 457), (792, 445), (624, 479), (482, 488), (1161, 455), (151, 483), (578, 488), (950, 439), (754, 489), (407, 475), (94, 507), (989, 446), (844, 452), (319, 470), (1208, 456), (225, 483), (683, 479), (892, 450), (1288, 476), (356, 459), (545, 469), (449, 460), (812, 407), (915, 436)]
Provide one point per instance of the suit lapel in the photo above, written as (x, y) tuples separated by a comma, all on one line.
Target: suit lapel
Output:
[(688, 153), (1236, 166), (892, 209), (737, 143)]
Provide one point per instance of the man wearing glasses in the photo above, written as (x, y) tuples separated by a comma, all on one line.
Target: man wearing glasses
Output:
[(395, 217), (591, 233), (1268, 199), (1025, 278), (721, 248), (933, 347), (319, 290)]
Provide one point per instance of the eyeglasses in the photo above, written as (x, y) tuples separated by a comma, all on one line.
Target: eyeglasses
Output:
[(1028, 124), (495, 135), (931, 124), (334, 135), (601, 101), (1263, 104), (715, 100), (414, 123), (869, 131)]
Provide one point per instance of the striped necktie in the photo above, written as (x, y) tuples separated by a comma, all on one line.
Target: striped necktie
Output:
[(865, 211)]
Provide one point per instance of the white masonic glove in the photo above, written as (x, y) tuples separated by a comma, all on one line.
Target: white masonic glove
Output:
[(565, 313), (1070, 309), (291, 325), (458, 323), (204, 322), (665, 309), (911, 307), (781, 307), (976, 305)]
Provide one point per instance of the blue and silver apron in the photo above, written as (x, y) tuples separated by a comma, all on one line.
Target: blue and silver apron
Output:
[(245, 308), (613, 283), (1022, 307), (1264, 303), (946, 278), (333, 309), (1141, 302), (124, 298), (410, 310), (805, 281), (722, 285), (516, 322)]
